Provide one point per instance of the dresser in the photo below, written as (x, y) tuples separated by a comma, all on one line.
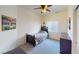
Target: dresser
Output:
[(65, 44)]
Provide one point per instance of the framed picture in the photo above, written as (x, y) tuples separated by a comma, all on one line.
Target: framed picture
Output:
[(69, 23), (8, 23)]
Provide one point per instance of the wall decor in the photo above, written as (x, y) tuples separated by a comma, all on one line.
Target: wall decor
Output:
[(8, 23), (69, 23)]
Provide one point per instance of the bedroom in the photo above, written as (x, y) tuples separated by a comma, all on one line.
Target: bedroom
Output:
[(29, 21)]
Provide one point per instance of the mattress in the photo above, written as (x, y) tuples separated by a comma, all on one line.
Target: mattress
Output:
[(46, 47)]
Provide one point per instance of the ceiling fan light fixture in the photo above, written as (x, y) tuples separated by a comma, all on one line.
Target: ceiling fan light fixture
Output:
[(45, 9)]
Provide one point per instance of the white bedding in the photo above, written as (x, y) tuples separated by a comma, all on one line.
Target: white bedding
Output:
[(46, 47), (39, 37)]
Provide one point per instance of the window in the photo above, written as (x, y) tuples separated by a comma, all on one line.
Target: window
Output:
[(52, 26)]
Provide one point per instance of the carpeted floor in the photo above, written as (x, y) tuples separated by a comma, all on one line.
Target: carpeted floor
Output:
[(54, 43), (23, 49), (15, 51)]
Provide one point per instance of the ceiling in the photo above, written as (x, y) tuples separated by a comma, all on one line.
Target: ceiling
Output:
[(53, 8)]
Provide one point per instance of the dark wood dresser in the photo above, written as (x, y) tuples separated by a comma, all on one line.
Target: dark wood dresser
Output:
[(65, 44)]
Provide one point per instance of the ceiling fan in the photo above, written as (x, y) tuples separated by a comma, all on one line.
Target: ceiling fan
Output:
[(44, 8)]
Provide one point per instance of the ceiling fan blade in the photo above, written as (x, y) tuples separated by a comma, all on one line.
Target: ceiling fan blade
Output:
[(38, 8), (49, 5), (48, 10)]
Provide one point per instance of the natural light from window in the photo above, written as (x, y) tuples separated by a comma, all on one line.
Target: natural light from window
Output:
[(52, 26)]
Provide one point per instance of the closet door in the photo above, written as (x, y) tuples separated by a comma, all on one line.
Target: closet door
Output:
[(78, 30), (74, 40)]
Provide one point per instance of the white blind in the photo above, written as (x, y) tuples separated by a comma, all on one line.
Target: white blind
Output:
[(52, 26)]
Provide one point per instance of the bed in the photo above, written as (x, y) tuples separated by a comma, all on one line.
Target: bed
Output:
[(38, 37), (46, 47)]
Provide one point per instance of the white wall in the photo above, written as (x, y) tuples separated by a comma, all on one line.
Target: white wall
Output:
[(73, 32), (8, 38), (70, 14), (58, 24), (60, 18), (28, 22), (70, 32)]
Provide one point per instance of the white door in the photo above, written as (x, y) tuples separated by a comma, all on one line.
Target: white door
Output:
[(78, 30), (74, 41)]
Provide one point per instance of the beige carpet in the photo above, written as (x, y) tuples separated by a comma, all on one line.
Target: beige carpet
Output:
[(26, 47)]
